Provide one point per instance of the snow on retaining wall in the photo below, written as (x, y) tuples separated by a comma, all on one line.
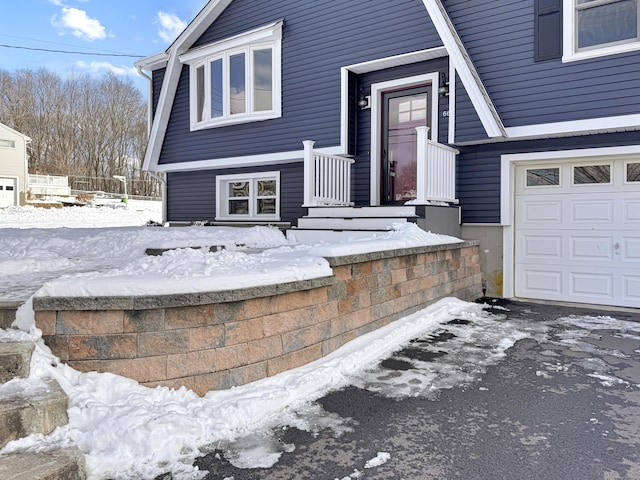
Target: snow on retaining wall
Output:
[(216, 340)]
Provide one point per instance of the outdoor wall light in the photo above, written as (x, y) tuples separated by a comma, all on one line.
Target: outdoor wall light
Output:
[(444, 85), (364, 102)]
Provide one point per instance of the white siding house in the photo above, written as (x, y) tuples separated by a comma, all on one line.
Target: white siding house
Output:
[(13, 167)]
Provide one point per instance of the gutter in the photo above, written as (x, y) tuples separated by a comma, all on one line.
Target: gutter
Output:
[(149, 99)]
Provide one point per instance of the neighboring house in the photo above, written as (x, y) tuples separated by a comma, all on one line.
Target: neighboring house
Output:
[(13, 167), (531, 107)]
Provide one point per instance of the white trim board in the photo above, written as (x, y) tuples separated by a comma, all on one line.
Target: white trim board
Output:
[(508, 164), (376, 91), (245, 161), (592, 125)]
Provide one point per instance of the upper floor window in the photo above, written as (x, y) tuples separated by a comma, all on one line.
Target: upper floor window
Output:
[(600, 27), (7, 143), (236, 80)]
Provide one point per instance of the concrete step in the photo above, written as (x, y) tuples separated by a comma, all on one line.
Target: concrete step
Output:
[(8, 313), (359, 223), (64, 464), (30, 406), (15, 358), (312, 236), (366, 212)]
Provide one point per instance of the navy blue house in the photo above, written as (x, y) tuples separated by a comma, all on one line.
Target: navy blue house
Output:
[(519, 119)]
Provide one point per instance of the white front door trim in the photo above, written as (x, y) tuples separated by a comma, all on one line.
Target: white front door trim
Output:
[(507, 195), (376, 121)]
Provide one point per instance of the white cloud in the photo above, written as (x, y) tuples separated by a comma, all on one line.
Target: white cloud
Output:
[(170, 26), (80, 24), (97, 67)]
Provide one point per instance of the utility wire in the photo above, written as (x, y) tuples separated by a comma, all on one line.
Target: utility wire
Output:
[(72, 52)]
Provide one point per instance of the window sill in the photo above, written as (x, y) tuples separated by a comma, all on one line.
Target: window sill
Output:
[(601, 52), (247, 218), (235, 121)]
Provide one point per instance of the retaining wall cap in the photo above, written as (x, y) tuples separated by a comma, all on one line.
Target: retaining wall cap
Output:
[(148, 302), (399, 252)]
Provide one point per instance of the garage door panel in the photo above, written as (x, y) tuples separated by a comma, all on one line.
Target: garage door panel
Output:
[(542, 246), (590, 286), (541, 212), (591, 248), (539, 282), (631, 210), (591, 211), (631, 288), (630, 251)]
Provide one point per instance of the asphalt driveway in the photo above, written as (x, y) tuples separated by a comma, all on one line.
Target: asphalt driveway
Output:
[(561, 402)]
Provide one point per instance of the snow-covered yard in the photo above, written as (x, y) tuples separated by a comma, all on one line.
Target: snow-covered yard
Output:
[(129, 431)]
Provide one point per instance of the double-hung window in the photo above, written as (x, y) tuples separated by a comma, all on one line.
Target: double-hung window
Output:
[(254, 196), (600, 27), (236, 80)]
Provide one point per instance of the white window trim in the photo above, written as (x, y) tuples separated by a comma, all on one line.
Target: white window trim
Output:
[(573, 183), (541, 187), (628, 182), (269, 36), (222, 196), (569, 44)]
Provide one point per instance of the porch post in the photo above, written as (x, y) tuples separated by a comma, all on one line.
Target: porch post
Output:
[(421, 173), (309, 173)]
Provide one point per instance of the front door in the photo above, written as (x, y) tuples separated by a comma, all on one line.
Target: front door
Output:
[(402, 111)]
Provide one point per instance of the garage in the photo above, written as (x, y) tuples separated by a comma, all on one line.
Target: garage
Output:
[(577, 231), (8, 192)]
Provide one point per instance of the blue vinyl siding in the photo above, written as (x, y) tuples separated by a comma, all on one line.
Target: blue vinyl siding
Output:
[(157, 77), (499, 36), (468, 125), (478, 169), (318, 39), (191, 196)]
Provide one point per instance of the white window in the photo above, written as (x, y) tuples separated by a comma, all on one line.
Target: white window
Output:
[(248, 196), (236, 80), (7, 143), (594, 28)]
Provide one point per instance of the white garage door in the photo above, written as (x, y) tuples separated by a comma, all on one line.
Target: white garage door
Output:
[(8, 192), (577, 235)]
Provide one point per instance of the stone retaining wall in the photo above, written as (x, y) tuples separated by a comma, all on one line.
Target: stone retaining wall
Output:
[(216, 340)]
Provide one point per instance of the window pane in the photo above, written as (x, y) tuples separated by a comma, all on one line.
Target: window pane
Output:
[(633, 172), (263, 80), (237, 83), (9, 188), (613, 22), (200, 93), (239, 189), (216, 88), (592, 174), (7, 143), (238, 207), (540, 177), (266, 188), (266, 206)]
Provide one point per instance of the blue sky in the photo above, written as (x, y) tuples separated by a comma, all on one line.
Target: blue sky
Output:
[(97, 27)]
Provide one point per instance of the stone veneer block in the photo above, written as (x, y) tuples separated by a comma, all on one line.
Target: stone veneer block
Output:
[(306, 337), (243, 331), (142, 370), (248, 374), (163, 343), (87, 322), (191, 363), (102, 347), (204, 338), (144, 320), (294, 359), (188, 317), (211, 381), (46, 321)]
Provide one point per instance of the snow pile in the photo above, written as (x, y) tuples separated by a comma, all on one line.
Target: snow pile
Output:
[(139, 212)]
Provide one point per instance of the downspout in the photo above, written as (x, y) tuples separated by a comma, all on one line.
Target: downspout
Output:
[(162, 181)]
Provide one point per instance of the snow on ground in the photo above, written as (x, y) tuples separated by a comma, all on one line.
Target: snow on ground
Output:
[(129, 431)]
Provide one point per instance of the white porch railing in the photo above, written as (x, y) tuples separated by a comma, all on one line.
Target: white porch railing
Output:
[(48, 180), (436, 170), (327, 178)]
